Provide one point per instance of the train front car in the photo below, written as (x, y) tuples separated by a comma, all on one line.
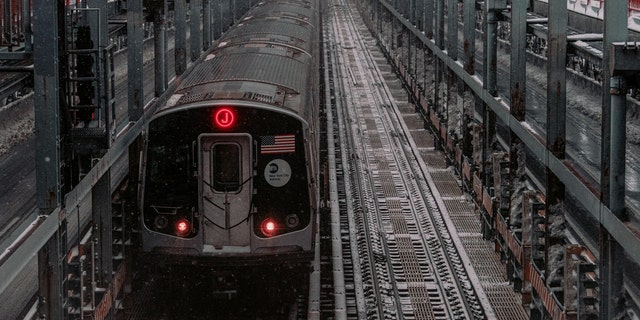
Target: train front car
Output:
[(231, 161)]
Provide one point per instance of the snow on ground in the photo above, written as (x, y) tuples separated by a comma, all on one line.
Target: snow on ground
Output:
[(15, 134), (16, 123)]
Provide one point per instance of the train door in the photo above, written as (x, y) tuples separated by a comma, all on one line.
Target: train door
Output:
[(225, 189)]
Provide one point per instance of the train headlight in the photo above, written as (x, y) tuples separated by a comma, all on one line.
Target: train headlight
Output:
[(183, 227), (269, 227)]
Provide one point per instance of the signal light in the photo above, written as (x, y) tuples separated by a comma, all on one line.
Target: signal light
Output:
[(224, 118), (183, 227), (268, 227)]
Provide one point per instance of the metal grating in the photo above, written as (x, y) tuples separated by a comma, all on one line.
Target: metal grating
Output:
[(446, 184), (422, 138), (413, 121), (406, 109), (433, 159), (463, 215)]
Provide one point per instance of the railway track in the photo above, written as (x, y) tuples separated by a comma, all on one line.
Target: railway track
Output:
[(401, 255), (411, 269)]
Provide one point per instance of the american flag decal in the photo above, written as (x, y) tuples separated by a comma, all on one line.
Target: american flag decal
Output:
[(280, 143)]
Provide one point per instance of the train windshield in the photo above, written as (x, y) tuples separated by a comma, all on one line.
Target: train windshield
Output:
[(169, 171)]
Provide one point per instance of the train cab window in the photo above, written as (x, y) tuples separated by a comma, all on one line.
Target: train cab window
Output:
[(226, 167)]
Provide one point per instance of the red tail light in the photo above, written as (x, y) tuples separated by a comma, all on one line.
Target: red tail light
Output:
[(183, 227), (269, 227)]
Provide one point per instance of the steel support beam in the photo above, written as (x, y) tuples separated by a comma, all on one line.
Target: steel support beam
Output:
[(615, 30), (206, 24), (196, 24), (102, 224), (419, 7), (235, 11), (438, 65), (556, 121), (228, 10), (469, 30), (556, 80), (48, 51), (518, 85), (26, 25), (491, 54), (135, 59), (618, 86), (216, 19), (180, 36), (624, 67), (452, 29), (160, 47), (428, 18), (469, 51), (490, 85), (51, 275), (518, 69), (586, 197), (611, 254)]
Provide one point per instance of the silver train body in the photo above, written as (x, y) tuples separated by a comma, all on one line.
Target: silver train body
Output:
[(230, 168)]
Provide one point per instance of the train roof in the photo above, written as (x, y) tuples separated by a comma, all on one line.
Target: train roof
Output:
[(268, 57), (256, 65), (283, 30)]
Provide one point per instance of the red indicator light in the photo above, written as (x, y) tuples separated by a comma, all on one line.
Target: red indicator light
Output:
[(183, 227), (268, 227), (224, 117)]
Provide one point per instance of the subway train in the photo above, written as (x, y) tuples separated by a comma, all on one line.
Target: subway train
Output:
[(229, 171)]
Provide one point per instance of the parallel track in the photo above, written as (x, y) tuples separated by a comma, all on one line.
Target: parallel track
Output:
[(409, 263)]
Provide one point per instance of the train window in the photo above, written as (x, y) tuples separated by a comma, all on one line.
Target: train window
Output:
[(226, 167)]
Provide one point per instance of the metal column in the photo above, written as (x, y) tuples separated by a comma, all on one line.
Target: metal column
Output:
[(439, 65), (452, 52), (180, 36), (101, 209), (48, 47), (615, 30), (216, 19), (159, 47), (624, 66), (195, 35), (452, 29), (611, 278), (49, 39), (135, 59), (51, 271), (491, 54), (556, 120), (428, 18), (518, 58), (490, 79), (206, 24), (26, 25), (469, 50)]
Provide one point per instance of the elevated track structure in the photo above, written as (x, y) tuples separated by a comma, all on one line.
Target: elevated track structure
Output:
[(538, 204), (566, 225)]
